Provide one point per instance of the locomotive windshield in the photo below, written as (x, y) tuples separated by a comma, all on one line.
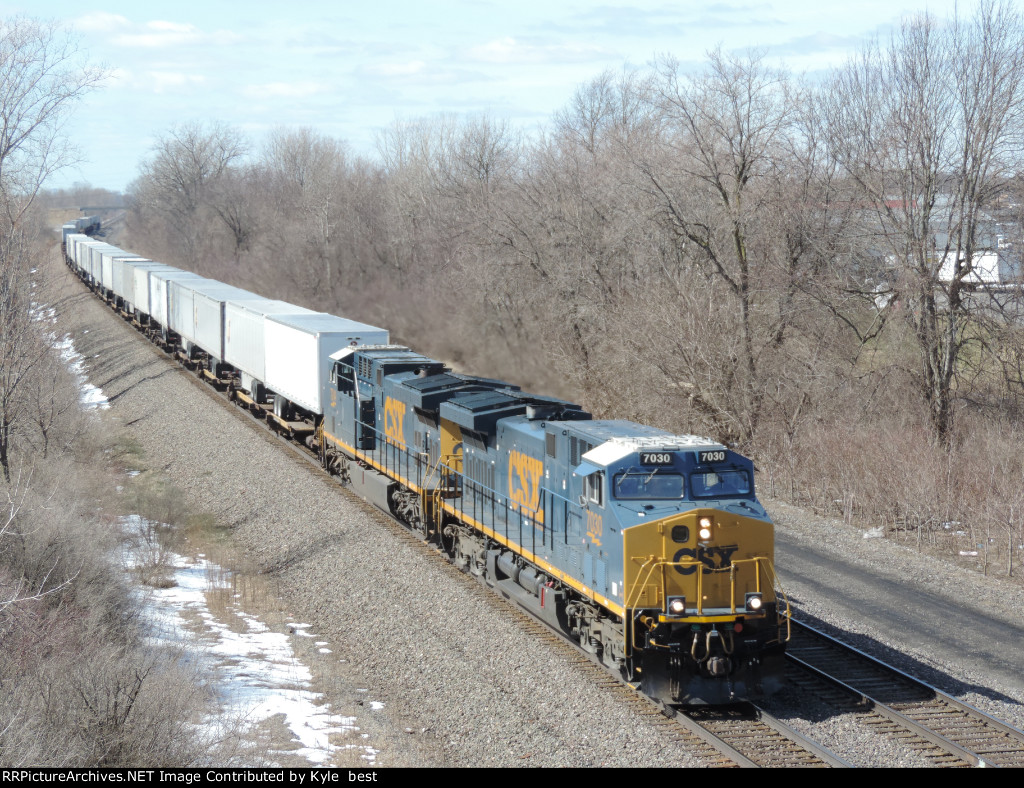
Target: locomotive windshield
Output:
[(720, 484), (645, 484)]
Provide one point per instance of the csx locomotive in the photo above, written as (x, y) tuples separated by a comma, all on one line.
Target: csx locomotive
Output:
[(649, 549)]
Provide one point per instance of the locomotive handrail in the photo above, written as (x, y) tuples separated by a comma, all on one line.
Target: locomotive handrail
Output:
[(652, 563), (780, 592)]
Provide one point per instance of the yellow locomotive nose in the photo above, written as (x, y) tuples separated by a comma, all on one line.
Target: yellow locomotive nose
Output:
[(701, 566)]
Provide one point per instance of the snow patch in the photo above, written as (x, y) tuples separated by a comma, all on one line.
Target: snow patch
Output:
[(90, 397), (256, 674)]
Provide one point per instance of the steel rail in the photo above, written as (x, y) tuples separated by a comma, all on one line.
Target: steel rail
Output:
[(1005, 743)]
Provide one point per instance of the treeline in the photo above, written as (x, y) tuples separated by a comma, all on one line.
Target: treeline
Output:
[(788, 265)]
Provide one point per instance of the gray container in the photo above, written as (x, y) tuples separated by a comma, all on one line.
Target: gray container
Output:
[(72, 247), (135, 281), (196, 312), (298, 353), (159, 293), (180, 318), (244, 336), (95, 261), (96, 254), (107, 260), (123, 284), (82, 252), (82, 255), (85, 257), (106, 264)]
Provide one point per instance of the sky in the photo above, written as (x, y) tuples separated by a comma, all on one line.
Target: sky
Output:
[(351, 69)]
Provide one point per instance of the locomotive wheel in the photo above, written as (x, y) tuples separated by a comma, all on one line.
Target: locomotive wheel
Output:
[(448, 540)]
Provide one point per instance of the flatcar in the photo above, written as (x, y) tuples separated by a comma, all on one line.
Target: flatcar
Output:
[(649, 549)]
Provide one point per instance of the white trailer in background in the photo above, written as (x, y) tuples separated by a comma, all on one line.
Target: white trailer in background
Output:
[(135, 280), (196, 314), (160, 294)]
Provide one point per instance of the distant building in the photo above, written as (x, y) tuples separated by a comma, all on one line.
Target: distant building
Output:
[(988, 268)]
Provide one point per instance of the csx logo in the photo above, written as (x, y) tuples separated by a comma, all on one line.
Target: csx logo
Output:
[(524, 475), (595, 527), (712, 558), (394, 413)]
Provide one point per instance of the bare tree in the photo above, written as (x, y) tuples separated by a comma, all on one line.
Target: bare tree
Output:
[(929, 130), (21, 344), (43, 74), (233, 199), (175, 183), (714, 181), (308, 173)]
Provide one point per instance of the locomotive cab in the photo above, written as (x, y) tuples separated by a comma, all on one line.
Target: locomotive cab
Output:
[(697, 584)]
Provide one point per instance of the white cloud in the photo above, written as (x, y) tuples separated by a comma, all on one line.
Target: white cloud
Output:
[(163, 81), (156, 33), (284, 89), (100, 21), (511, 50), (396, 69), (170, 27)]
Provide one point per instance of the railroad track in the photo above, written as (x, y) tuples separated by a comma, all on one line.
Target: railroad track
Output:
[(937, 726), (755, 738)]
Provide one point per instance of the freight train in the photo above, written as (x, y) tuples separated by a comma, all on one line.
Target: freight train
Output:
[(649, 549)]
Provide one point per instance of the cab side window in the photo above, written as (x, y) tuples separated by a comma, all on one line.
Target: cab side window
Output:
[(593, 488), (344, 377)]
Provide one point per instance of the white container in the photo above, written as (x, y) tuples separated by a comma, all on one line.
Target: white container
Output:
[(196, 312), (89, 261), (244, 335), (97, 253), (136, 283), (107, 261), (95, 261), (122, 281), (299, 348), (159, 292), (72, 247)]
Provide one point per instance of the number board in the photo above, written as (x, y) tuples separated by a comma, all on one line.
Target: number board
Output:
[(655, 458), (704, 457)]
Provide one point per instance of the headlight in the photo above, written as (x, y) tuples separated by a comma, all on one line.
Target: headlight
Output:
[(676, 605), (705, 528), (754, 602)]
